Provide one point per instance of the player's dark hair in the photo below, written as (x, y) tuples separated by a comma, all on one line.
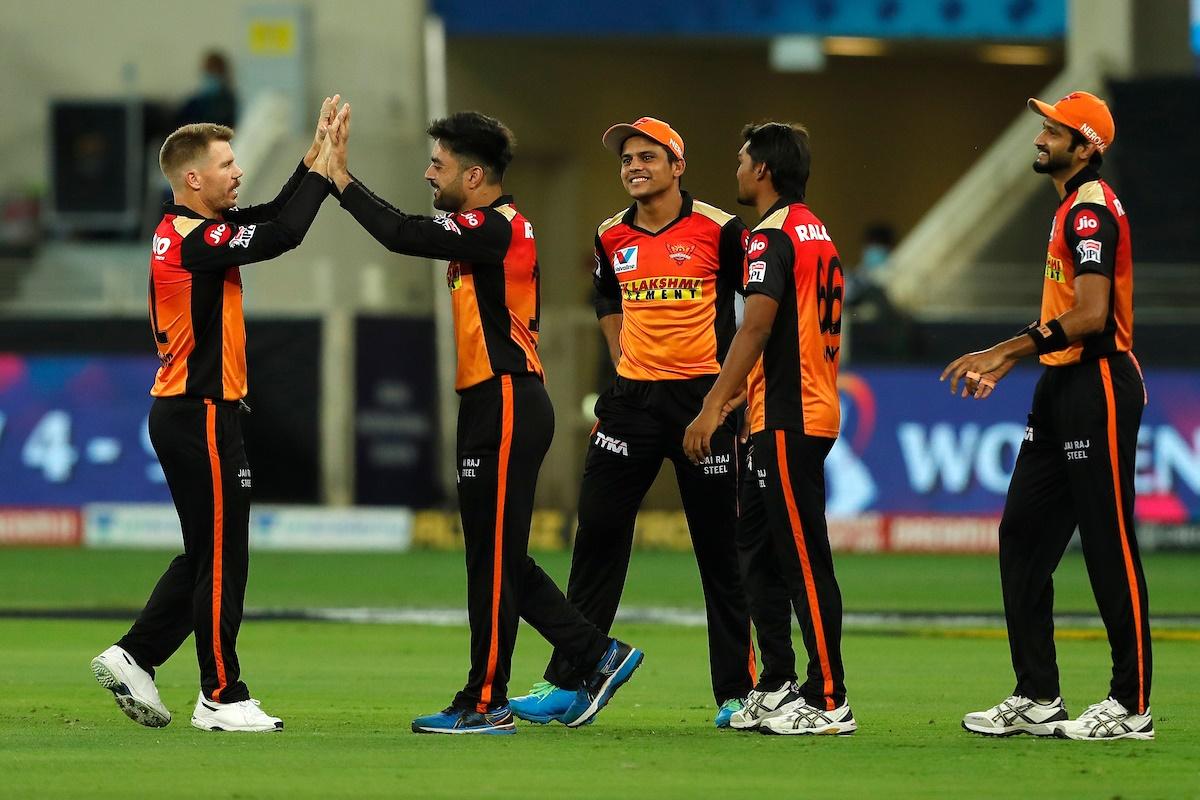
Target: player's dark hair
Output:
[(783, 147), (1079, 140), (187, 144), (477, 140)]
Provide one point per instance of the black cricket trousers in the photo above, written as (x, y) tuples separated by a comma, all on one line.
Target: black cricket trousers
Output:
[(199, 445), (505, 426), (787, 564), (1076, 468), (641, 423)]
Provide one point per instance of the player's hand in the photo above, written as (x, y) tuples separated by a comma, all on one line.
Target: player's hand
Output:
[(322, 163), (979, 372), (329, 107), (697, 439), (734, 403), (339, 135)]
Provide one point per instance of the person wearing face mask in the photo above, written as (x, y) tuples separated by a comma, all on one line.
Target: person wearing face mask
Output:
[(214, 100)]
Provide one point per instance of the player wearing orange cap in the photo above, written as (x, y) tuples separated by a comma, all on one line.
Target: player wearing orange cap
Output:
[(667, 268), (1076, 464)]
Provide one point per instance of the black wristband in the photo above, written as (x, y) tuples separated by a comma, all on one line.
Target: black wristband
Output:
[(1049, 337), (1033, 326)]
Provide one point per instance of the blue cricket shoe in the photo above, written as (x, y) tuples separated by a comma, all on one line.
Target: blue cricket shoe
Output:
[(616, 666), (727, 710), (497, 721), (544, 703)]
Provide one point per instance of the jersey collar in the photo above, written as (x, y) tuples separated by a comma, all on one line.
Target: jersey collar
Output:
[(181, 211), (1085, 175), (782, 202), (685, 211)]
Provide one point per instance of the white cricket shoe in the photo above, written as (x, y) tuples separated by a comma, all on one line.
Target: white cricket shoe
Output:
[(759, 706), (245, 715), (132, 687), (1107, 720), (805, 719), (1018, 714)]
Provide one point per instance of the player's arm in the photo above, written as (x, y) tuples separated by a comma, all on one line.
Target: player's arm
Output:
[(481, 235), (731, 253), (766, 283), (264, 212), (1094, 259), (607, 300), (220, 244)]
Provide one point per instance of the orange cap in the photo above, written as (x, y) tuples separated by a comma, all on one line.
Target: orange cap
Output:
[(1083, 112), (654, 129)]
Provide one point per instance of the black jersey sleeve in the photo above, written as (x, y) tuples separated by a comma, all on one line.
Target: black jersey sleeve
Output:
[(264, 212), (480, 236), (731, 253), (607, 295), (1091, 231), (220, 244), (769, 262)]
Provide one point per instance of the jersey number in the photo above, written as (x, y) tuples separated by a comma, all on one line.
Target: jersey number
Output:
[(830, 288)]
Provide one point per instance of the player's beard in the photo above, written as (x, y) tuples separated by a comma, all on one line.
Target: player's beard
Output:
[(1054, 163), (450, 197)]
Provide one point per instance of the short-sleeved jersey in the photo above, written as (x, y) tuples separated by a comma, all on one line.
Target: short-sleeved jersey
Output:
[(493, 277), (793, 386), (674, 288), (1090, 233), (195, 286)]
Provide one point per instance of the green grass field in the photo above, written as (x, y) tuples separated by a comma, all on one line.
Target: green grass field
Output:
[(347, 693)]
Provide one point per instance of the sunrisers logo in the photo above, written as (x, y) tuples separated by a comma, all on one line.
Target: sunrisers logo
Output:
[(666, 289)]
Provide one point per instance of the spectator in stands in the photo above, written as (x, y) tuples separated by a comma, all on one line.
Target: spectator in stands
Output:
[(864, 281), (215, 100)]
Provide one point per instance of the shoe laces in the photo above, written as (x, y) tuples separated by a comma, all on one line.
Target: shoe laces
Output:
[(1106, 706), (542, 689)]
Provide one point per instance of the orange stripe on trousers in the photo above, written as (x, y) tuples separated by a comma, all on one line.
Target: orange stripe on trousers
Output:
[(214, 463), (810, 586), (1130, 572), (753, 662), (506, 429)]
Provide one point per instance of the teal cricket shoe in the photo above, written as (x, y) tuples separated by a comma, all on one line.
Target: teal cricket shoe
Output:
[(727, 710), (544, 703), (497, 721), (615, 667)]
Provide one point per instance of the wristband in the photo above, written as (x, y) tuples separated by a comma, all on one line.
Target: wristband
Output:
[(1049, 337)]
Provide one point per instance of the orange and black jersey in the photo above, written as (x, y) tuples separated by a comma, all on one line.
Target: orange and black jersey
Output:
[(1090, 233), (195, 294), (494, 281), (793, 386), (674, 289)]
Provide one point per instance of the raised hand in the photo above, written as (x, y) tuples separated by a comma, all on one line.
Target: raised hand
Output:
[(339, 135), (324, 120)]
